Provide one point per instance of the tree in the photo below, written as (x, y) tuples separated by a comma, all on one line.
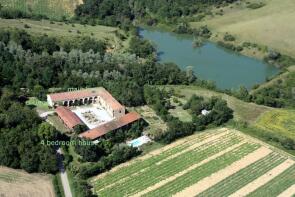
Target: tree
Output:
[(190, 74), (140, 47), (39, 92), (80, 128), (47, 132)]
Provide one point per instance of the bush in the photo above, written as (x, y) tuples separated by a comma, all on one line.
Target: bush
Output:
[(26, 26), (255, 5), (57, 186)]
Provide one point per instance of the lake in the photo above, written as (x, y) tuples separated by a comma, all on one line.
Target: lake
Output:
[(210, 62)]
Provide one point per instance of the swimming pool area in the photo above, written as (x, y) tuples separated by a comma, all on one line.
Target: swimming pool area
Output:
[(139, 141)]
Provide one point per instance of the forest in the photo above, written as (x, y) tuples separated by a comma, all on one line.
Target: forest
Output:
[(122, 12)]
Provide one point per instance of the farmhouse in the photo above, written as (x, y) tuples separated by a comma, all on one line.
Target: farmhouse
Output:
[(88, 96), (96, 108)]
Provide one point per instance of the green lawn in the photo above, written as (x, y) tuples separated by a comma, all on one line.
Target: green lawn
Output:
[(35, 102), (178, 111)]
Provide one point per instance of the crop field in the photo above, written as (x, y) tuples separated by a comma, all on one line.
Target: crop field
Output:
[(220, 162), (268, 25), (19, 183), (278, 121), (50, 8)]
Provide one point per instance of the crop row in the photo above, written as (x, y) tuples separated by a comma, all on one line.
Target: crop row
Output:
[(277, 185), (135, 167), (203, 171), (238, 180), (168, 168), (43, 7)]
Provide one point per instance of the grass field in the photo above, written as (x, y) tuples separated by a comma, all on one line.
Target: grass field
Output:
[(242, 111), (19, 183), (219, 162), (178, 111), (269, 25), (278, 121), (35, 102), (51, 8), (62, 30), (281, 77)]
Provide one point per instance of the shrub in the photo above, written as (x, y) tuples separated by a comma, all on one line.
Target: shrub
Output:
[(229, 37), (255, 5)]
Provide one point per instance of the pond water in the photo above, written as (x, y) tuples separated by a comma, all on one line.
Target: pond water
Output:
[(210, 62)]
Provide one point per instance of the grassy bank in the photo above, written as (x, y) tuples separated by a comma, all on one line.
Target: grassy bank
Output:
[(59, 29), (268, 25)]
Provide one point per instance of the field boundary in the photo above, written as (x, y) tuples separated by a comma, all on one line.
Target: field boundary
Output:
[(290, 156)]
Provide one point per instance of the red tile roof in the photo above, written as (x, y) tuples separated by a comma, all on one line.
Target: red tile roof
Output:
[(112, 125), (103, 93), (69, 118), (72, 95)]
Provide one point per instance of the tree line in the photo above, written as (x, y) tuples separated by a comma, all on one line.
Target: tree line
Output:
[(123, 12), (37, 63)]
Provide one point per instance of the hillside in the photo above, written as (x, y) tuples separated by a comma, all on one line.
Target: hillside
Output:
[(242, 111), (268, 25), (59, 29), (50, 8)]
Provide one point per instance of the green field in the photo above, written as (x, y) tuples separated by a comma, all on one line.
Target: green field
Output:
[(280, 122), (269, 25), (51, 8), (177, 168), (35, 102), (242, 111), (178, 111), (63, 30)]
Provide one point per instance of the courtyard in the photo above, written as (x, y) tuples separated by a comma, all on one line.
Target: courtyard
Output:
[(92, 115)]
